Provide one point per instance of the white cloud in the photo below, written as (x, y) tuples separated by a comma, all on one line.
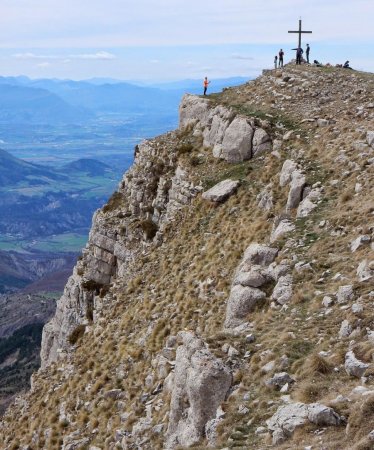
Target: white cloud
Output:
[(44, 65), (98, 24), (29, 55), (102, 56)]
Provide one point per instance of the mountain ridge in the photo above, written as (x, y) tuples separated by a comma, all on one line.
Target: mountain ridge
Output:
[(213, 305)]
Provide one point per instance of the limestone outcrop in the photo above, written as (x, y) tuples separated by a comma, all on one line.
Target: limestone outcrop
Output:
[(253, 272), (232, 137), (148, 197), (289, 417), (201, 383)]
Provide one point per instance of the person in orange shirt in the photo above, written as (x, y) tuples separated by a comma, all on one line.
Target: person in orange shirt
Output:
[(206, 84)]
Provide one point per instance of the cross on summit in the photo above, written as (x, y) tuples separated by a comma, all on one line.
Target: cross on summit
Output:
[(300, 32)]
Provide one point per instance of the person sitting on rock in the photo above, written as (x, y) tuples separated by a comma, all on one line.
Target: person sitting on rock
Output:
[(346, 65)]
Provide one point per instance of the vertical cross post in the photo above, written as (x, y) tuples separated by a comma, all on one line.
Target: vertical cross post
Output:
[(300, 32)]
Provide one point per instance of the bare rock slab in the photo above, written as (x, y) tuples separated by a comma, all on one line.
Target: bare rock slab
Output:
[(221, 191)]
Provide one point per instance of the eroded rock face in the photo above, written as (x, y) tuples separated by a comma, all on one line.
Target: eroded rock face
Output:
[(150, 194), (201, 383), (193, 109), (233, 137)]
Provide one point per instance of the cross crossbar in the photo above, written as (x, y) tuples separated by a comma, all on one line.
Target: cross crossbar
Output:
[(300, 31)]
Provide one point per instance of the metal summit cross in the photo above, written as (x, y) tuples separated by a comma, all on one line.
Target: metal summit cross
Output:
[(300, 32)]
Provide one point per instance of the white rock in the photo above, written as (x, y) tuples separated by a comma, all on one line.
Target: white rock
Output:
[(260, 254), (241, 302), (288, 168), (305, 208), (357, 308), (255, 277), (237, 141), (278, 380), (201, 379), (221, 191), (345, 329), (261, 142), (327, 301), (193, 109), (282, 292), (265, 198), (353, 366), (345, 294), (268, 367), (365, 270), (291, 416), (288, 136), (283, 227), (360, 241), (296, 189)]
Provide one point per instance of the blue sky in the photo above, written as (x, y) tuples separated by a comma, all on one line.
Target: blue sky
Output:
[(169, 40)]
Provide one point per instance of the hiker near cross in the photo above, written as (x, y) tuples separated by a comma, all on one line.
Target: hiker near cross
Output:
[(300, 32)]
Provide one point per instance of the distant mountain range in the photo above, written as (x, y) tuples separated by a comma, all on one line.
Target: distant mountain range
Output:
[(65, 101)]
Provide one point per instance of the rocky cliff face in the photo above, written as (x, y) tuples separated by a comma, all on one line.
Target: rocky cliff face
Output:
[(224, 299)]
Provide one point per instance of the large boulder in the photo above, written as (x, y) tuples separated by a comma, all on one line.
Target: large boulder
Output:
[(221, 191), (201, 383), (193, 109), (242, 300), (221, 118), (289, 417), (261, 142), (237, 141), (260, 254)]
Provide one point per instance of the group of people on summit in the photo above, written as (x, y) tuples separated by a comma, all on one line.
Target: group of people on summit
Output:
[(278, 59)]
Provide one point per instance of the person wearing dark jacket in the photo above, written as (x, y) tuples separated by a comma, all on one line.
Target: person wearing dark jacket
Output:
[(299, 55), (307, 52)]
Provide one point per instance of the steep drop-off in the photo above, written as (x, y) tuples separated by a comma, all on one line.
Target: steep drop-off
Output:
[(224, 299)]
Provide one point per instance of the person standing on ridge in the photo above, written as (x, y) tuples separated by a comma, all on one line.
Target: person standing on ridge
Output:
[(206, 84), (281, 54), (299, 55), (275, 61), (307, 52)]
